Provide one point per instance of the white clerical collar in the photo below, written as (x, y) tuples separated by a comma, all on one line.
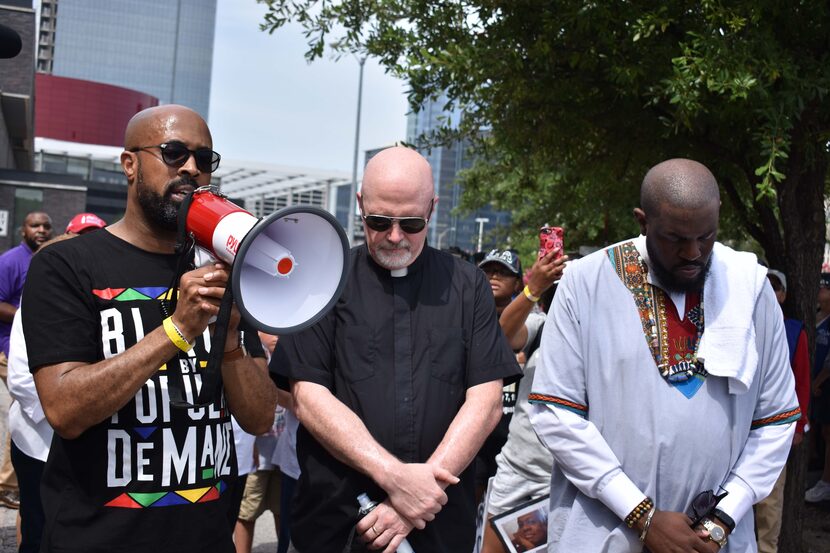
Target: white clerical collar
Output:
[(402, 272), (677, 298)]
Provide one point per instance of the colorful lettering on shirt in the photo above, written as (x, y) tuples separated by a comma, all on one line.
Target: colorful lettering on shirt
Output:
[(142, 447)]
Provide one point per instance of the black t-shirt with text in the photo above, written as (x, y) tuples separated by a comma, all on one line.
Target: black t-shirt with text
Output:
[(152, 477)]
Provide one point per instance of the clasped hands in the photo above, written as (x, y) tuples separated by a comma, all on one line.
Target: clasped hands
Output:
[(415, 495), (670, 532)]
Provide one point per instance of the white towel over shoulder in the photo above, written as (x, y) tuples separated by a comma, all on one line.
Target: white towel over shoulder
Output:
[(730, 293)]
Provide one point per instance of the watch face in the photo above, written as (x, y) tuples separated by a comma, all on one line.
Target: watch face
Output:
[(716, 532)]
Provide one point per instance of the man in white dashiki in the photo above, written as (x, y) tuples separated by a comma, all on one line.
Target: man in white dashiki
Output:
[(664, 374)]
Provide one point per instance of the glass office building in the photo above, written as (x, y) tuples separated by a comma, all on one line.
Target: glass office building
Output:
[(160, 47), (449, 228)]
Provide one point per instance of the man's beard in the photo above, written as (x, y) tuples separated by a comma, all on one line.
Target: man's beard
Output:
[(388, 260), (670, 282), (160, 210), (33, 244)]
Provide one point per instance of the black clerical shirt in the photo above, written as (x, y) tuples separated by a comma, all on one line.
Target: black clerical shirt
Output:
[(400, 352)]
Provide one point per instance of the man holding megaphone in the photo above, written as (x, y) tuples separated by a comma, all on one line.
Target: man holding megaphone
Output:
[(131, 468)]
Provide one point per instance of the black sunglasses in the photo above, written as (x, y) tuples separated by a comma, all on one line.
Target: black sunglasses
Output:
[(498, 272), (410, 225), (175, 154), (703, 505)]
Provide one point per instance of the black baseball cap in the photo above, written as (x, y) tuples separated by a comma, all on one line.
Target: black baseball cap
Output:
[(506, 258)]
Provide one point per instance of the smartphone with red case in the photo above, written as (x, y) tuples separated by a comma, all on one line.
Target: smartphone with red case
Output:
[(551, 238)]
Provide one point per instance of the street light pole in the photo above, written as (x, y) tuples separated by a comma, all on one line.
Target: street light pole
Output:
[(353, 187), (481, 221), (442, 234)]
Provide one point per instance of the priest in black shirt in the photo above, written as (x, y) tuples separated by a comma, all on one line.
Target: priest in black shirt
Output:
[(398, 386)]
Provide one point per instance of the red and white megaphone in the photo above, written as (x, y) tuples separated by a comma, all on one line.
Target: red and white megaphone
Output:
[(289, 268)]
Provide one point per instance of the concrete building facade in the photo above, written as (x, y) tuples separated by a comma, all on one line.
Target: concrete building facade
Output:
[(17, 88), (261, 188), (21, 192)]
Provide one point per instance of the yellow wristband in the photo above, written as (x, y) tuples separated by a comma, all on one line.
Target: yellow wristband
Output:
[(529, 295), (176, 336)]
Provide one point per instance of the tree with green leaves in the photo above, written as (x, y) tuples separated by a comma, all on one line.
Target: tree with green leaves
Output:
[(568, 103)]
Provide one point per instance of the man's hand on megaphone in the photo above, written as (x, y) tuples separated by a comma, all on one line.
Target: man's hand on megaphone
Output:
[(200, 294)]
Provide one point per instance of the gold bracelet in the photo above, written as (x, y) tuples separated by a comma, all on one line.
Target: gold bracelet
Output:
[(529, 295), (176, 335)]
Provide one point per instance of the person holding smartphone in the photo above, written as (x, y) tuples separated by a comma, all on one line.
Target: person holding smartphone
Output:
[(524, 464)]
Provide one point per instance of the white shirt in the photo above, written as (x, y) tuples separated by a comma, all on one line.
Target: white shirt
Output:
[(244, 444), (28, 426), (619, 432), (285, 453)]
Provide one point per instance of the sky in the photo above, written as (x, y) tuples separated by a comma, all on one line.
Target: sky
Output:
[(268, 104)]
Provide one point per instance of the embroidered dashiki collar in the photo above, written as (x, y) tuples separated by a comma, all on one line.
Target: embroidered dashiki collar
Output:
[(651, 305)]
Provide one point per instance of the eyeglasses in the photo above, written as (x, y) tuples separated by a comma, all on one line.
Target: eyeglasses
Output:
[(703, 505), (409, 225), (175, 154)]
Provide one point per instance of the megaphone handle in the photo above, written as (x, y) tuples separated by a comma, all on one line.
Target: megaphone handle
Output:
[(212, 375)]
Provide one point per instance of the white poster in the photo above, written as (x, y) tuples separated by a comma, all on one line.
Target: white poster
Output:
[(4, 222)]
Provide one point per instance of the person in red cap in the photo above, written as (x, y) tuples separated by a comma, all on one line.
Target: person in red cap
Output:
[(85, 222)]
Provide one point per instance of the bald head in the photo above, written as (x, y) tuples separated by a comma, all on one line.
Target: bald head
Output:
[(148, 125), (678, 183), (679, 218), (398, 172), (397, 183)]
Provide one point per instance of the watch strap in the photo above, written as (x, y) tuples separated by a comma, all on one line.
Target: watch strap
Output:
[(725, 519)]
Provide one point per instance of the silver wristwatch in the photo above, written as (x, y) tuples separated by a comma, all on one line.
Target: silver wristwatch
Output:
[(716, 533)]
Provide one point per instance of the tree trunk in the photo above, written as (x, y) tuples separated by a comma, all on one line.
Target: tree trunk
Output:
[(792, 526), (801, 204)]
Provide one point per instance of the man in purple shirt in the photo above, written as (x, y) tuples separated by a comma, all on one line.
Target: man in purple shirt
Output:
[(14, 264)]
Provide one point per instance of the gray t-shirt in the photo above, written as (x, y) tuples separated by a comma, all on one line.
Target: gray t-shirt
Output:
[(523, 453)]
